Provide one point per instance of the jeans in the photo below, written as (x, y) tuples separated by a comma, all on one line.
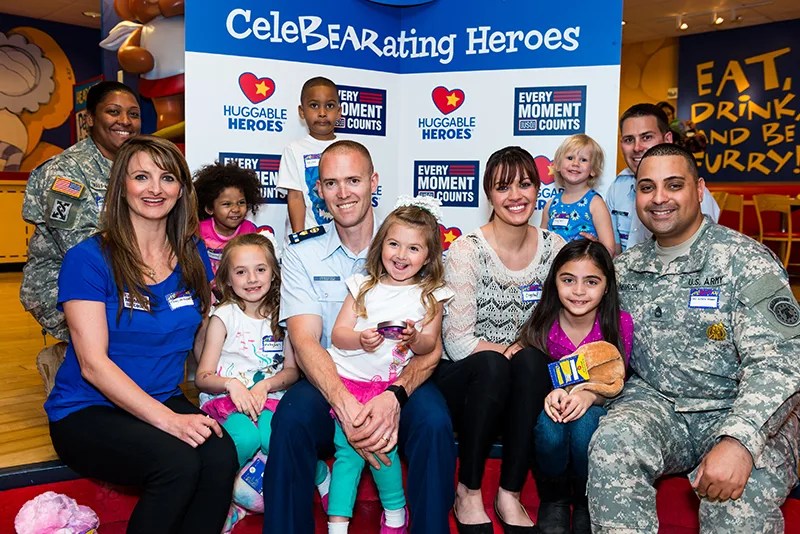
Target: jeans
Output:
[(561, 445)]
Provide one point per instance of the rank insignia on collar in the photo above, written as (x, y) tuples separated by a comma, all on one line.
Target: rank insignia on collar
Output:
[(302, 235)]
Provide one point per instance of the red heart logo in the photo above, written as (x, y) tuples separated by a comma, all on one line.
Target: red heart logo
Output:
[(256, 89), (543, 165), (448, 235), (447, 101)]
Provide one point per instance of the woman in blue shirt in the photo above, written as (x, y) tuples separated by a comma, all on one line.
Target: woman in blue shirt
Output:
[(133, 296)]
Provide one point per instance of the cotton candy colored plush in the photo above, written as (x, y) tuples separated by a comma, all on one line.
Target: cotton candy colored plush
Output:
[(54, 513)]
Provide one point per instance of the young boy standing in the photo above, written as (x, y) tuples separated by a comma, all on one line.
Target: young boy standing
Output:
[(319, 108)]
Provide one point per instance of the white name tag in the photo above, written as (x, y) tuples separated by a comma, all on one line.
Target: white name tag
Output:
[(704, 298), (126, 303), (269, 344), (531, 293), (311, 160), (561, 220), (180, 299)]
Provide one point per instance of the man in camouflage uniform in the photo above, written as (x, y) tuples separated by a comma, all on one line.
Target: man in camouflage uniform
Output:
[(716, 373)]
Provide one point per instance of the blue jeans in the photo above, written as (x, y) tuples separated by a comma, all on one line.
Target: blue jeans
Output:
[(302, 430), (562, 448)]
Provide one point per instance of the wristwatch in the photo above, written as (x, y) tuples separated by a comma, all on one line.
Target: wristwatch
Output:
[(399, 393)]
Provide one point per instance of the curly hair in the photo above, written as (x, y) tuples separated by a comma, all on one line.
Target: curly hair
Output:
[(270, 306), (211, 180)]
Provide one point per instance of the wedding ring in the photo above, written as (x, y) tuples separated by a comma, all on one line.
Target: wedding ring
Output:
[(387, 438)]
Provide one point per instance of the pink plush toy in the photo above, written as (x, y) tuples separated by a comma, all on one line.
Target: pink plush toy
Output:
[(54, 513)]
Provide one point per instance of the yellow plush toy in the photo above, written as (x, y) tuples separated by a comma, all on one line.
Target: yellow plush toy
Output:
[(597, 367)]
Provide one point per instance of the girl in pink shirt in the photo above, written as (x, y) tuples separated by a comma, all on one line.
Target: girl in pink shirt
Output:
[(224, 195), (579, 305)]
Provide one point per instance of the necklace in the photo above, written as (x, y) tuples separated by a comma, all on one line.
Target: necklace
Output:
[(150, 273)]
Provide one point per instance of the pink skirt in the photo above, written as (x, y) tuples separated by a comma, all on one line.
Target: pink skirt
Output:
[(221, 407)]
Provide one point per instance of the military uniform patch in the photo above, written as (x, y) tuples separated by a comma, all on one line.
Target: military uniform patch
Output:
[(785, 311), (68, 187), (302, 235), (60, 211)]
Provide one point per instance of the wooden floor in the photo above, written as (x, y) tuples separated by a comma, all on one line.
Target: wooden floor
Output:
[(23, 424)]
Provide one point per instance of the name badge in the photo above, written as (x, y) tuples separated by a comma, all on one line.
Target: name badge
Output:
[(129, 303), (704, 298), (561, 220), (327, 278), (180, 299), (311, 160), (214, 253), (270, 344), (619, 212), (531, 293)]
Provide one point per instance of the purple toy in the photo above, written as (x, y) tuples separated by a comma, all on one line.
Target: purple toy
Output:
[(392, 329)]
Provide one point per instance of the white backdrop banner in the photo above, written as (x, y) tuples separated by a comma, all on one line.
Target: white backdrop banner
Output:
[(432, 90)]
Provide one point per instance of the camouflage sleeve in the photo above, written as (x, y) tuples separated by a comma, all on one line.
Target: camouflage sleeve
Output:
[(766, 326), (52, 236)]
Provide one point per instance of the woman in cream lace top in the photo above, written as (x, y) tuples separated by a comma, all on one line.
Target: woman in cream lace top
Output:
[(491, 386)]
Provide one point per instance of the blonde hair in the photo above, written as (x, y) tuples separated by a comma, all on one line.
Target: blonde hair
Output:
[(574, 143), (430, 277), (269, 308), (119, 238)]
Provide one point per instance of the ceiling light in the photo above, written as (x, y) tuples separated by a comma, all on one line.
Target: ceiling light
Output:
[(680, 24), (91, 14), (623, 23), (717, 19)]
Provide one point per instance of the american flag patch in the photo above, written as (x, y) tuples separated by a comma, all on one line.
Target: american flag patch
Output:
[(67, 187)]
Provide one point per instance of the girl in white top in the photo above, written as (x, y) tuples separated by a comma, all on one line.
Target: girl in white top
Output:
[(247, 363), (404, 283)]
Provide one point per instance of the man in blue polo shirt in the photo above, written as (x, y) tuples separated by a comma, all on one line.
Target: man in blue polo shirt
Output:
[(641, 126), (315, 267)]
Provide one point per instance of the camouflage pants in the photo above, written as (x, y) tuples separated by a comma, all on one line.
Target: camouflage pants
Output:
[(643, 438)]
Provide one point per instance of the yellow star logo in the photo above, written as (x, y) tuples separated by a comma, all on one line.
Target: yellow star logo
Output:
[(452, 100), (450, 236), (262, 88)]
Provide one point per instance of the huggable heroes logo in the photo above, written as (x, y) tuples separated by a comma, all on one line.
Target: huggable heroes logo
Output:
[(363, 111), (255, 118), (266, 168), (447, 128)]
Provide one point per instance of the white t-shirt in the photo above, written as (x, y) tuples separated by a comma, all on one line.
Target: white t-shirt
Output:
[(299, 170), (383, 303), (250, 351)]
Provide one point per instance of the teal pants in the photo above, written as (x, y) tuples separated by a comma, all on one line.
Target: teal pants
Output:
[(346, 473), (249, 437)]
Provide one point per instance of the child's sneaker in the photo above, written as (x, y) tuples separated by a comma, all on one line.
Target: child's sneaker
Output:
[(393, 530)]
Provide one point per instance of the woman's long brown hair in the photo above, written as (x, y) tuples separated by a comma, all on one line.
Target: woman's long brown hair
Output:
[(119, 238)]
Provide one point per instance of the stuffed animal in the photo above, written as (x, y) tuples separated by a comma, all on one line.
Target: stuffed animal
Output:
[(54, 513), (149, 42), (597, 367)]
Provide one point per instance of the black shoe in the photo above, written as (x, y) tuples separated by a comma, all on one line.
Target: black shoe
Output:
[(581, 522), (475, 528), (554, 506), (514, 529)]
